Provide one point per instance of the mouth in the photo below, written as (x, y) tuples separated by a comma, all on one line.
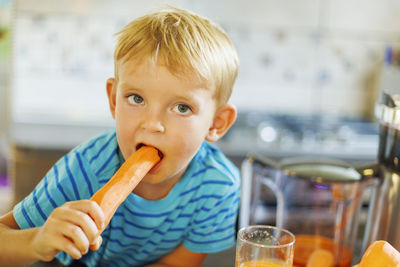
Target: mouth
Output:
[(160, 154)]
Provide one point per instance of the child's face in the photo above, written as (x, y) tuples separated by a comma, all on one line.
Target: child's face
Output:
[(153, 107)]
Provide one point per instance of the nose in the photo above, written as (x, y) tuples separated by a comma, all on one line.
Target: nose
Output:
[(152, 122)]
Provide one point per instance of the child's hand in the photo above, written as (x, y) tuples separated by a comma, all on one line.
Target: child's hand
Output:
[(71, 228)]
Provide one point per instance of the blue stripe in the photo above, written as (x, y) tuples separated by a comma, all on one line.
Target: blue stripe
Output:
[(204, 183), (89, 147), (95, 258), (185, 215), (215, 224), (201, 159), (208, 218), (231, 215), (37, 205), (171, 240), (229, 196), (226, 168), (127, 263), (229, 227), (26, 214), (151, 242), (205, 197), (107, 162), (146, 252), (217, 182), (209, 209), (147, 214), (203, 209), (211, 241), (104, 181), (133, 224), (84, 174), (93, 144), (197, 210), (125, 233), (190, 190), (119, 243), (53, 203), (213, 149), (113, 253), (176, 229), (140, 238), (216, 214), (202, 170), (59, 187), (102, 149), (71, 178), (118, 264), (159, 232)]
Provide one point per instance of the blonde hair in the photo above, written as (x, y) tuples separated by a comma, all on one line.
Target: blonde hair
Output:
[(186, 44)]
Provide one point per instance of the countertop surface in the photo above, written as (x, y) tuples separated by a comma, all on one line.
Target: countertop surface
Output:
[(348, 141), (224, 258)]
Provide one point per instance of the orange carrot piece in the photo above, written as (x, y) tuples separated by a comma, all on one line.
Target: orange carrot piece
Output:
[(259, 264), (118, 188), (320, 257), (380, 254)]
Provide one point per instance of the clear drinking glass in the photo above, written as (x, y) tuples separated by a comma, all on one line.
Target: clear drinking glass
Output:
[(264, 246)]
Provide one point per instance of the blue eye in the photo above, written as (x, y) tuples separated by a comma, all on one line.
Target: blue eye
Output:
[(182, 108), (135, 99)]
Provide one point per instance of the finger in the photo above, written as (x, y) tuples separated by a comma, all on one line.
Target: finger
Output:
[(63, 243), (92, 209), (76, 234), (96, 245), (81, 219)]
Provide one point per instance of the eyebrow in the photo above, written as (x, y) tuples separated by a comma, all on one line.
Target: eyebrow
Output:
[(127, 86)]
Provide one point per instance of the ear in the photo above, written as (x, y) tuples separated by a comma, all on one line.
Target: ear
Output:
[(112, 93), (223, 120)]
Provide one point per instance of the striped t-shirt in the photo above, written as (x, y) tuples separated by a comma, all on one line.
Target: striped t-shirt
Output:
[(199, 211)]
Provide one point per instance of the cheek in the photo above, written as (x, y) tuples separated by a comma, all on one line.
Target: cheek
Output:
[(186, 140), (188, 133), (183, 153), (125, 133), (123, 141)]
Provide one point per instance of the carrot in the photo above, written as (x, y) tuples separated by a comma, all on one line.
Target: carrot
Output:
[(259, 264), (320, 257), (118, 188), (380, 254), (305, 245)]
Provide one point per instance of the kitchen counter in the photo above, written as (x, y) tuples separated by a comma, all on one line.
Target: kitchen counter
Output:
[(63, 136), (345, 140), (224, 258)]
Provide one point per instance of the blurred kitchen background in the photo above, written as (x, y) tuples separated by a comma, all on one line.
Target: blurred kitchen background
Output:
[(310, 74)]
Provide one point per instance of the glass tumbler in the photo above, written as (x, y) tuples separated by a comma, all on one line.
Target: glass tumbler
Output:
[(264, 246)]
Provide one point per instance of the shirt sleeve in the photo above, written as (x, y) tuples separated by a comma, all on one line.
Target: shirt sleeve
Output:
[(214, 226), (66, 181)]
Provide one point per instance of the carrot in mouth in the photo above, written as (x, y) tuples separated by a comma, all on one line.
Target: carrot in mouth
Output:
[(118, 188)]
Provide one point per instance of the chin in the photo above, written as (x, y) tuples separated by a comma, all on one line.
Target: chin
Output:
[(153, 180)]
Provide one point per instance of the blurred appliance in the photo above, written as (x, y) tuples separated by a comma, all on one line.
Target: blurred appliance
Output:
[(384, 221), (320, 200), (317, 200), (278, 136)]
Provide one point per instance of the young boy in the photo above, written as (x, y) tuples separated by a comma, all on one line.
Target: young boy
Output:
[(174, 72)]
